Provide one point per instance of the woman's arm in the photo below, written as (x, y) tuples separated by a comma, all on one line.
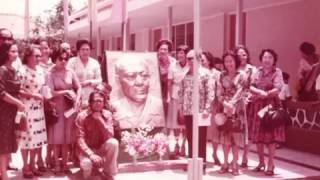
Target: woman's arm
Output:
[(12, 100)]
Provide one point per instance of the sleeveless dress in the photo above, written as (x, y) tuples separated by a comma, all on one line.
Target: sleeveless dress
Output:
[(61, 132)]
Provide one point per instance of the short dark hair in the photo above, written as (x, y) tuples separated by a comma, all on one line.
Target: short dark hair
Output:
[(81, 42), (210, 58), (272, 52), (245, 50), (184, 48), (307, 48), (4, 52), (92, 94), (234, 56), (28, 51), (57, 54), (166, 42)]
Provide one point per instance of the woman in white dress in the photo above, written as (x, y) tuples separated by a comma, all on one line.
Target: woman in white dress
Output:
[(176, 73), (31, 141)]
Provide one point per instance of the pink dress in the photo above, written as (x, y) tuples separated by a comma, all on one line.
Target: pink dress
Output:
[(267, 81), (61, 132)]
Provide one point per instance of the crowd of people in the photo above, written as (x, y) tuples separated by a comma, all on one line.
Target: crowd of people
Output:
[(83, 128), (234, 98)]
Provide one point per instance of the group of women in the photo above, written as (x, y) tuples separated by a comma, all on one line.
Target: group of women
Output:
[(226, 94), (25, 87)]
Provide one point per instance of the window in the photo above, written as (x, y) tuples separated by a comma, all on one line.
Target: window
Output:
[(132, 42), (156, 37)]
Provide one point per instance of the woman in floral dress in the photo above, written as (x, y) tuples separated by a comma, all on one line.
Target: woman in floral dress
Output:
[(229, 94), (265, 89), (249, 71), (32, 79)]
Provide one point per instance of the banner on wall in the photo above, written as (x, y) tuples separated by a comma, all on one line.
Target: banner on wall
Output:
[(136, 90)]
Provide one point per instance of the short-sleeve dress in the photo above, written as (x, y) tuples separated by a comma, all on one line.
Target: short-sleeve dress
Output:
[(61, 132), (36, 134), (10, 84), (176, 74), (230, 89), (265, 81)]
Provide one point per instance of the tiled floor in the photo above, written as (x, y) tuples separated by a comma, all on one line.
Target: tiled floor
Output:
[(290, 164)]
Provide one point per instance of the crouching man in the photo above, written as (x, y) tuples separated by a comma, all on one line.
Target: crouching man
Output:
[(98, 148)]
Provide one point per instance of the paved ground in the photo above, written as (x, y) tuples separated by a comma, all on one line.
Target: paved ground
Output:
[(290, 164)]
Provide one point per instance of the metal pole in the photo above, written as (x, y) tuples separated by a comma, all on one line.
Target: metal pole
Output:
[(65, 19)]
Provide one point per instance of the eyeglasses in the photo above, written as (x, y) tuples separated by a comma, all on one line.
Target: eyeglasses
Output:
[(190, 58), (63, 59), (97, 101)]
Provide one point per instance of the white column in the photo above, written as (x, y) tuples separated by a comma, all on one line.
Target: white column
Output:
[(92, 13), (125, 34), (239, 22), (65, 19), (98, 42), (195, 164), (26, 20)]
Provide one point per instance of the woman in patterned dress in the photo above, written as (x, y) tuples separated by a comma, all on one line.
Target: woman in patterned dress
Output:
[(177, 72), (62, 81), (9, 104), (265, 89), (229, 94), (209, 62), (249, 71), (31, 141)]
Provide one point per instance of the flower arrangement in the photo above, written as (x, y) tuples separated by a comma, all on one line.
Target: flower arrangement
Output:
[(140, 143)]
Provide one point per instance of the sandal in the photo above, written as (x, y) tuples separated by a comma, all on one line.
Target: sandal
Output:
[(244, 163), (66, 170), (235, 169), (270, 172), (27, 174), (216, 160), (37, 173), (260, 167), (224, 169), (42, 169)]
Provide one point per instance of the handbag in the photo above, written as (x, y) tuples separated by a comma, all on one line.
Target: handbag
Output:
[(69, 100), (275, 118), (50, 112), (232, 124), (21, 122)]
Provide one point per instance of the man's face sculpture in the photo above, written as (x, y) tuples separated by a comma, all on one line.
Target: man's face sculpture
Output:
[(135, 80)]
